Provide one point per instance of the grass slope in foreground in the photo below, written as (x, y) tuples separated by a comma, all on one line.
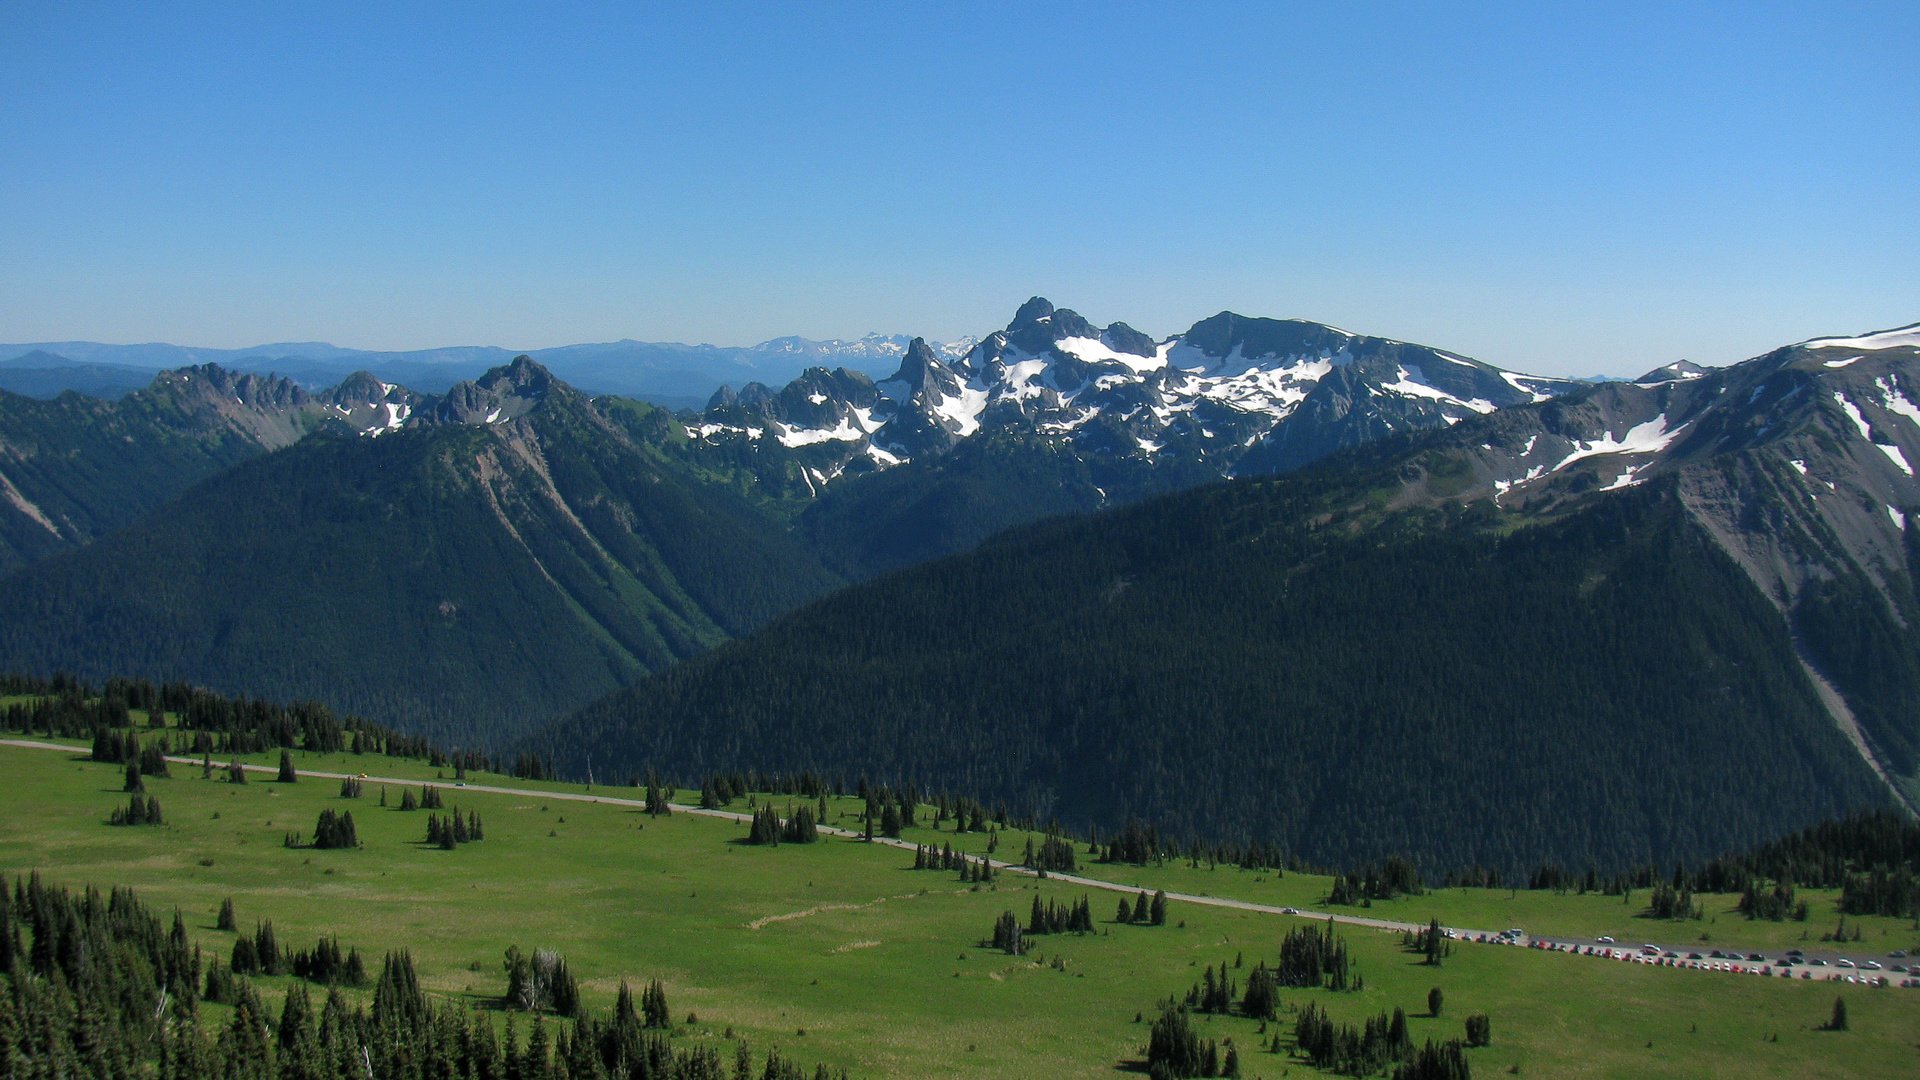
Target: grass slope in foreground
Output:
[(878, 965)]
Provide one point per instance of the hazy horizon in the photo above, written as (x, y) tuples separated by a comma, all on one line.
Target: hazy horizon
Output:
[(1563, 191)]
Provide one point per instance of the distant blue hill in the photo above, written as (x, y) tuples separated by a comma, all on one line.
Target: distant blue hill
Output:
[(669, 373)]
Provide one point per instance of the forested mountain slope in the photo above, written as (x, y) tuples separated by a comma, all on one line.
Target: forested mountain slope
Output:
[(74, 468), (1529, 636), (508, 552)]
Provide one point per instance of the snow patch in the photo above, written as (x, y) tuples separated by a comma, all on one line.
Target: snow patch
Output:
[(1519, 382), (1894, 455), (1899, 519), (1501, 487), (1896, 402), (708, 431), (1853, 414), (1648, 438), (1095, 351), (1840, 363), (1799, 466), (1904, 337), (963, 409), (845, 431), (1625, 479)]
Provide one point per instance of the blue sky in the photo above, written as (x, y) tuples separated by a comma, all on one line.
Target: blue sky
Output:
[(1547, 187)]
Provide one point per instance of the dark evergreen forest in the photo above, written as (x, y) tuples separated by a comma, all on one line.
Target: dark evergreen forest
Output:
[(1247, 663)]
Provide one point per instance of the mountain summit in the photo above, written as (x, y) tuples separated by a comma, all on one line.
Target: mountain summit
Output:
[(1231, 396)]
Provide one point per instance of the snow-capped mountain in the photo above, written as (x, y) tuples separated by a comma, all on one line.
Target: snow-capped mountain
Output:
[(1800, 462), (1233, 394)]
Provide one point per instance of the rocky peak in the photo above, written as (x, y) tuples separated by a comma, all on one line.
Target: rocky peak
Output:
[(1123, 338), (1679, 370)]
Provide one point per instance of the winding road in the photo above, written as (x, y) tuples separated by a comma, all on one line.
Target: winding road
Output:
[(1622, 953)]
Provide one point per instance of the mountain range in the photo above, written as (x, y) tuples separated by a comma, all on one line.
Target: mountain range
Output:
[(669, 373), (1265, 578), (1629, 624)]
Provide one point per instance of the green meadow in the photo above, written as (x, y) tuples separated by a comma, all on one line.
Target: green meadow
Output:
[(838, 952)]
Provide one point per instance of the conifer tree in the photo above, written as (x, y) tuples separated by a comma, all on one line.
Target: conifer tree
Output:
[(287, 775), (1479, 1030), (653, 1006)]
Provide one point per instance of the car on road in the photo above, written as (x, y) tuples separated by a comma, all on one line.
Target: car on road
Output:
[(1756, 958), (1817, 962), (1605, 939), (1844, 962), (1897, 954), (1289, 911), (1695, 956), (1871, 965)]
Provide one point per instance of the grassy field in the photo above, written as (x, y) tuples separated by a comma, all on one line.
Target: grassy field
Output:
[(876, 964), (1543, 913)]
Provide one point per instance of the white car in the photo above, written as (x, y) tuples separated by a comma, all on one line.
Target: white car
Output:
[(1844, 962), (1605, 939), (1871, 965)]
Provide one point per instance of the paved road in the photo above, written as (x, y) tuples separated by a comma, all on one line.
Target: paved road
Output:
[(1623, 953)]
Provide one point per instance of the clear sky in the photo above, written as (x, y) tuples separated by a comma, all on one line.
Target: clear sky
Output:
[(1547, 187)]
